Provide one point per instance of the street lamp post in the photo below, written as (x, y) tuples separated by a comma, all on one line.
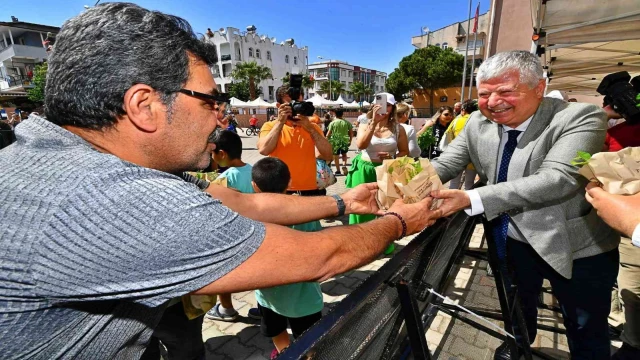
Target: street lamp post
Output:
[(426, 30), (328, 75)]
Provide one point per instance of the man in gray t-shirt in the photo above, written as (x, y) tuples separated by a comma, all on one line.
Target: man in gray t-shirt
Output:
[(97, 235)]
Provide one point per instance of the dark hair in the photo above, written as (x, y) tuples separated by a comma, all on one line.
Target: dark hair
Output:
[(271, 175), (101, 53), (339, 113), (230, 142), (470, 106), (281, 92), (364, 109), (445, 107)]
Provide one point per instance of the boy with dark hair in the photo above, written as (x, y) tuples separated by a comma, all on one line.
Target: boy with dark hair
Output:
[(340, 134), (270, 175), (228, 153), (300, 305)]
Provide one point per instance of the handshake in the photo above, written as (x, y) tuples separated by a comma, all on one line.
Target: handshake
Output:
[(417, 216)]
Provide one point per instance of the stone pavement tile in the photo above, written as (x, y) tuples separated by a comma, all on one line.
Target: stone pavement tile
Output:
[(235, 349)]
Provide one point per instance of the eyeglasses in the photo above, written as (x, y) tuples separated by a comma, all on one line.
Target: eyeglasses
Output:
[(446, 114), (216, 96)]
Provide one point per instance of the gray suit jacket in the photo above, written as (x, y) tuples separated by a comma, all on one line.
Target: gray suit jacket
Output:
[(544, 194)]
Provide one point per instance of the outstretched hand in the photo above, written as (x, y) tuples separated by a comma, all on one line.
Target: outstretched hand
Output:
[(621, 212), (454, 200), (418, 215), (361, 200)]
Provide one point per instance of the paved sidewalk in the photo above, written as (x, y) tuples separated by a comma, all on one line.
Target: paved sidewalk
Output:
[(449, 339)]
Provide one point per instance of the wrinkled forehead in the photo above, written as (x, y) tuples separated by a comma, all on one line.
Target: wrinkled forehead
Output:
[(507, 79)]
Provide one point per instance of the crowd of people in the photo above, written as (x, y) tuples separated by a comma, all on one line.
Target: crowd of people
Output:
[(97, 254)]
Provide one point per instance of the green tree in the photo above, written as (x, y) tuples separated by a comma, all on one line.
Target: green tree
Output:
[(430, 68), (399, 85), (240, 90), (357, 89), (336, 88), (39, 80), (253, 73), (361, 91)]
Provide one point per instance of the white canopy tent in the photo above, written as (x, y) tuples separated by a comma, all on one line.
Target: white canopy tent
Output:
[(261, 103), (354, 104), (316, 100), (234, 102), (319, 102), (584, 40), (341, 101), (329, 103)]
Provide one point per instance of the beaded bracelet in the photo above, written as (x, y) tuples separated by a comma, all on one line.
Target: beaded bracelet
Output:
[(404, 224)]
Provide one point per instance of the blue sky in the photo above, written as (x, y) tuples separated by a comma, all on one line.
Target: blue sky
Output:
[(374, 33)]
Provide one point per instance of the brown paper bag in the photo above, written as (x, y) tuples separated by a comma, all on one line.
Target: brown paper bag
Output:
[(618, 172), (395, 182)]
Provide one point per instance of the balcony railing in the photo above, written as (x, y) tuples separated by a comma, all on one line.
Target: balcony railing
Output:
[(35, 52), (478, 51), (16, 81), (225, 57)]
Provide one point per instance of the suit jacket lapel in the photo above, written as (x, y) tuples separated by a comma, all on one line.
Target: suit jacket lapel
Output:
[(527, 142), (488, 146)]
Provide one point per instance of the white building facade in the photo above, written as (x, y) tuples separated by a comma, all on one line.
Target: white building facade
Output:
[(234, 46), (22, 47), (347, 74)]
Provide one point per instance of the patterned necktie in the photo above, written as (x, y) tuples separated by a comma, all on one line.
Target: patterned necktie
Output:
[(501, 223)]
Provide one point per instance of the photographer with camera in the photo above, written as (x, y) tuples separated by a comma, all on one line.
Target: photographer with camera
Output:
[(622, 101), (295, 140)]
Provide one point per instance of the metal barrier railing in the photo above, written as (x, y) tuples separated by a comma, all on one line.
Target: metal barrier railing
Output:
[(385, 316)]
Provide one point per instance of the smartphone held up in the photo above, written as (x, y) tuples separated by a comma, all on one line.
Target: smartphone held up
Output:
[(381, 99)]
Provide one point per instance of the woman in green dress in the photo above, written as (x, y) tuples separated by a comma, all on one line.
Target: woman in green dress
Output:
[(379, 139)]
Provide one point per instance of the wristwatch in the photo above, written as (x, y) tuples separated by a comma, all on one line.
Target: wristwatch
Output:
[(341, 207)]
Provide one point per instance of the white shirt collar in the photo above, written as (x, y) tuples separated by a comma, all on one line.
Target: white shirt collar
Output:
[(522, 127)]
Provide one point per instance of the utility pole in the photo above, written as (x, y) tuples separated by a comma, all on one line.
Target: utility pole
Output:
[(466, 53), (475, 47)]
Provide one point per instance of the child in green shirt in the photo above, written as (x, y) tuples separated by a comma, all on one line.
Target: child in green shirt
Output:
[(300, 305), (228, 154)]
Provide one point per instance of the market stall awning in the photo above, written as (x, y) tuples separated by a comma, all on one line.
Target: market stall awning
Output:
[(261, 103), (581, 41), (341, 102), (237, 103)]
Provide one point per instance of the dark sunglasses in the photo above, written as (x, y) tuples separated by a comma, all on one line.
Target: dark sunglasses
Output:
[(217, 97)]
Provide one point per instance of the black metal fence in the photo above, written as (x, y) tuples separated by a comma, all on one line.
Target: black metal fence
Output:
[(385, 317)]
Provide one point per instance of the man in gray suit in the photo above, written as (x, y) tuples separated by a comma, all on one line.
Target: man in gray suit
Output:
[(522, 145)]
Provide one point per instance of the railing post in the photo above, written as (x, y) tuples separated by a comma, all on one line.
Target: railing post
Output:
[(411, 313)]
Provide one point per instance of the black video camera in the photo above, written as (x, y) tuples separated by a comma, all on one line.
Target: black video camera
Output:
[(623, 94), (305, 108)]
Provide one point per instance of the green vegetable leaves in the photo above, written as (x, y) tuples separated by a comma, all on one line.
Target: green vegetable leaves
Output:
[(581, 159), (407, 164)]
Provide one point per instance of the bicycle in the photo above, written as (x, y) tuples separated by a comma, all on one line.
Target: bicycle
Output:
[(252, 131)]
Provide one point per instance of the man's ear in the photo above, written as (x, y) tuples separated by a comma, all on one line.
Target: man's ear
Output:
[(542, 84), (139, 103)]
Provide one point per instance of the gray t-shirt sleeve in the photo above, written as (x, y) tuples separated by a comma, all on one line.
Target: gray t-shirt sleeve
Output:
[(140, 235)]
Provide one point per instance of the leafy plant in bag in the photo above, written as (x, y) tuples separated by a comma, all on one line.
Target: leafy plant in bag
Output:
[(581, 159)]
